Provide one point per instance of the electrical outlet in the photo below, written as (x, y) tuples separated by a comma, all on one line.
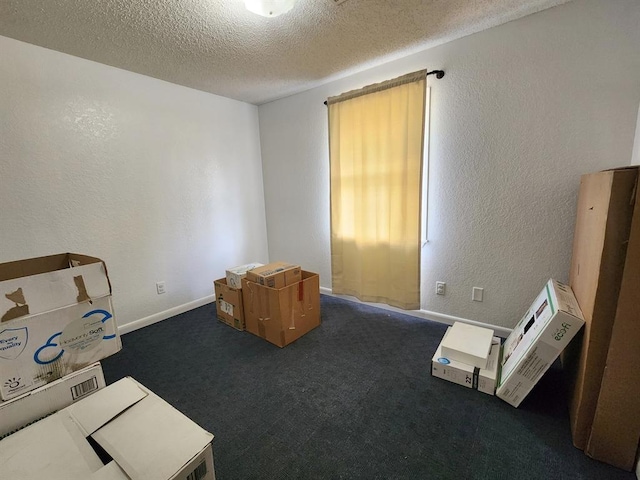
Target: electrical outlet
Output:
[(441, 287), (477, 294), (160, 288)]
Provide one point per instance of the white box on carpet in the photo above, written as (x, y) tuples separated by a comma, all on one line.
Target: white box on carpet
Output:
[(468, 376), (467, 344), (551, 322)]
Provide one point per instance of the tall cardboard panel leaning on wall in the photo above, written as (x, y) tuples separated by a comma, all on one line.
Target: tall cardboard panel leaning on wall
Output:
[(616, 424), (603, 222)]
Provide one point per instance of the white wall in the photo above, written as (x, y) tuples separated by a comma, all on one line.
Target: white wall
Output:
[(524, 109), (160, 181), (635, 156)]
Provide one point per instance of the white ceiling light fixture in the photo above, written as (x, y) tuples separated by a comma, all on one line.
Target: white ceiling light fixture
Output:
[(269, 8)]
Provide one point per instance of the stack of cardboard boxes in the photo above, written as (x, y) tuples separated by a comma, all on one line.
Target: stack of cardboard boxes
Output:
[(278, 302), (473, 357), (469, 356), (56, 323), (58, 419)]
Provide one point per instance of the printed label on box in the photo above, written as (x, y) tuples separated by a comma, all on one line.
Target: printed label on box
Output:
[(12, 342), (226, 307), (82, 335)]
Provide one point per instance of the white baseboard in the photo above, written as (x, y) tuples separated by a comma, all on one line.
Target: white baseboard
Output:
[(157, 317), (426, 314)]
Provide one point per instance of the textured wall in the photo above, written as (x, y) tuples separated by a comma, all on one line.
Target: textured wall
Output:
[(524, 109), (161, 181), (635, 157)]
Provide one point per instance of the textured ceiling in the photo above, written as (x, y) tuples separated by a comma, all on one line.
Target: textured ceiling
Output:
[(219, 47)]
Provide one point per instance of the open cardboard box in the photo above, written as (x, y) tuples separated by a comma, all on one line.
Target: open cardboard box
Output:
[(282, 315), (122, 432), (56, 317)]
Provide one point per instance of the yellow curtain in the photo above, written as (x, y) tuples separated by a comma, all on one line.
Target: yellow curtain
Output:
[(376, 143)]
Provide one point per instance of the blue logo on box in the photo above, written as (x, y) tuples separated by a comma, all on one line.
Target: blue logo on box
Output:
[(444, 360), (50, 343)]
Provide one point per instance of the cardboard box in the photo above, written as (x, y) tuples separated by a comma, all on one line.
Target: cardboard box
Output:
[(37, 404), (275, 275), (229, 304), (236, 274), (606, 248), (483, 380), (122, 432), (467, 344), (55, 318), (282, 315), (544, 331)]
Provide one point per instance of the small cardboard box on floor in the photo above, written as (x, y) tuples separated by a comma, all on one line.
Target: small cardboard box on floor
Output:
[(483, 380), (537, 340), (37, 404), (282, 315), (55, 318), (229, 304), (122, 432)]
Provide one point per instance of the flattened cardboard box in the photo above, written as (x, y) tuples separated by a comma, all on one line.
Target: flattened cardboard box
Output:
[(275, 275), (235, 275), (55, 318), (36, 404), (601, 266), (283, 315), (616, 424), (122, 432), (229, 304), (483, 380), (537, 340)]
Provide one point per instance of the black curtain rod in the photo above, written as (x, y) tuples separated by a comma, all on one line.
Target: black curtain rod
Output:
[(438, 73)]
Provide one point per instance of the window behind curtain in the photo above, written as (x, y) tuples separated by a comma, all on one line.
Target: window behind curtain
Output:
[(376, 144)]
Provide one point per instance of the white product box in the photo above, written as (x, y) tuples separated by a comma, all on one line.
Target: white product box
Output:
[(122, 432), (36, 404), (468, 376), (544, 331), (55, 317), (236, 274), (467, 344)]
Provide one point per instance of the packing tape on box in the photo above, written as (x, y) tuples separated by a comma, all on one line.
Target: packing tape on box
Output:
[(292, 311), (264, 308)]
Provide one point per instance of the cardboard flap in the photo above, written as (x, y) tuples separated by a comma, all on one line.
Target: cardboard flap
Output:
[(152, 440), (111, 471), (104, 405), (53, 449), (52, 290)]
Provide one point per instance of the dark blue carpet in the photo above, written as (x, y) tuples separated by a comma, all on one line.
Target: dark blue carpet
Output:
[(352, 399)]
